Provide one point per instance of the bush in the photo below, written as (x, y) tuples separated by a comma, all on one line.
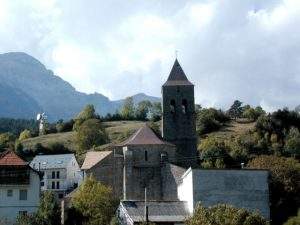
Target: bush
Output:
[(62, 126), (209, 120), (224, 215), (295, 220)]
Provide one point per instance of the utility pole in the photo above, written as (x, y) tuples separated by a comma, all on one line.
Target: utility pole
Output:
[(146, 208)]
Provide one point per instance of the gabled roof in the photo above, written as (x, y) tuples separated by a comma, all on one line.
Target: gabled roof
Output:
[(144, 136), (93, 157), (177, 76), (9, 158), (51, 161), (158, 211)]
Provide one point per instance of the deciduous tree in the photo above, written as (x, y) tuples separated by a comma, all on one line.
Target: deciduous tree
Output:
[(95, 202)]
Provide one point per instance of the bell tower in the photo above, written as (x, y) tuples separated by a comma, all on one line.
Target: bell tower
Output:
[(179, 119)]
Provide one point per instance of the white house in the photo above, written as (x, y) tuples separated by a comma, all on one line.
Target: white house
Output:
[(61, 173), (19, 187)]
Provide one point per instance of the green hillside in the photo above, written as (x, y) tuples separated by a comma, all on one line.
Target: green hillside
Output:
[(116, 130), (233, 128)]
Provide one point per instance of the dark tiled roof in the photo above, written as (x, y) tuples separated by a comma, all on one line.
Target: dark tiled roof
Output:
[(9, 158), (158, 211), (177, 76), (144, 136)]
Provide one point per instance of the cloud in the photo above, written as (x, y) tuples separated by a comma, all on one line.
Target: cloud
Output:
[(247, 50)]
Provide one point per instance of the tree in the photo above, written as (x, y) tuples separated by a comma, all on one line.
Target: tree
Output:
[(87, 113), (224, 215), (95, 202), (236, 109), (7, 140), (47, 214), (284, 184), (295, 220), (25, 135), (127, 111), (89, 134), (142, 110), (213, 153), (48, 211), (292, 142), (155, 112)]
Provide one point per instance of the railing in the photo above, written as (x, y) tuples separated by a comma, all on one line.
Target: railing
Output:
[(14, 176)]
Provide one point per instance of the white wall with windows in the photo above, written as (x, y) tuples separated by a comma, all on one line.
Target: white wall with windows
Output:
[(19, 199), (61, 173)]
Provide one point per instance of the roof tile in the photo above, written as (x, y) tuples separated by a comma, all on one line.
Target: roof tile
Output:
[(9, 158)]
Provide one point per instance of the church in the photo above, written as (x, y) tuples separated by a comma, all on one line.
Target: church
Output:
[(164, 170)]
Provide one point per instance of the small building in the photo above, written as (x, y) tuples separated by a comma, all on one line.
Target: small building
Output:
[(19, 187), (61, 173), (243, 188), (159, 212)]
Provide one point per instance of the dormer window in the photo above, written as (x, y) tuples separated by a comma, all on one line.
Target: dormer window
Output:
[(172, 106), (184, 106)]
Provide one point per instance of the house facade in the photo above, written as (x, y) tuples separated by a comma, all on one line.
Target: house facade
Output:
[(19, 187), (61, 173)]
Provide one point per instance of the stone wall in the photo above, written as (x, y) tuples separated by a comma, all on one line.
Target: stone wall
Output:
[(141, 171), (109, 171), (179, 127)]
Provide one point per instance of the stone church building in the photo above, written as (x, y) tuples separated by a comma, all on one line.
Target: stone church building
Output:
[(167, 166)]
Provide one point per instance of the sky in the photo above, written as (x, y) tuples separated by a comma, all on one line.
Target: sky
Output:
[(230, 49)]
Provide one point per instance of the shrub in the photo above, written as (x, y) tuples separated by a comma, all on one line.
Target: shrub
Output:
[(224, 215)]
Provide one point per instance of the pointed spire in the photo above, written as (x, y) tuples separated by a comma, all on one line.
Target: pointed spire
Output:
[(177, 76)]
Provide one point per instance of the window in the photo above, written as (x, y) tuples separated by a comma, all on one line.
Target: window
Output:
[(23, 195), (172, 106), (22, 213), (184, 106), (42, 183), (57, 185), (53, 185), (146, 156), (9, 193), (53, 174), (57, 174), (60, 196)]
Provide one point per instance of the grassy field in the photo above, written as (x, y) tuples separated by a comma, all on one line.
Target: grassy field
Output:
[(116, 130), (232, 129)]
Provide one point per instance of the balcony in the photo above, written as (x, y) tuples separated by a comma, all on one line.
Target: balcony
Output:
[(14, 176)]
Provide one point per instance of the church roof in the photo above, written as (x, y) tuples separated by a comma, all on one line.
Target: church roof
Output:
[(9, 158), (144, 136), (158, 211), (177, 76), (93, 157)]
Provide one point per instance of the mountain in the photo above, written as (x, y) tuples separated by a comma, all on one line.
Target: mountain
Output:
[(138, 98), (28, 87)]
